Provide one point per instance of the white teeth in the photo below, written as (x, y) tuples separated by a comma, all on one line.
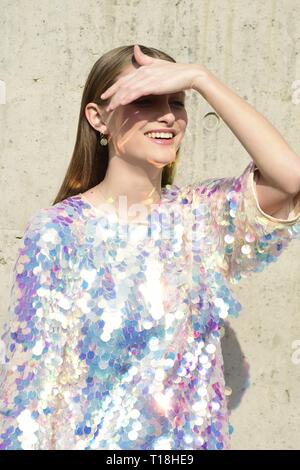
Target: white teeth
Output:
[(162, 135)]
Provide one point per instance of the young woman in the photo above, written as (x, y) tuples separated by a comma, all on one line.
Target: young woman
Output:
[(121, 287)]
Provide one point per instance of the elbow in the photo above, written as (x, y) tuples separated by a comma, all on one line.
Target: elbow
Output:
[(294, 188)]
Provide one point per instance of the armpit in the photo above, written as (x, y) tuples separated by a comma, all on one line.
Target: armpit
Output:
[(277, 205)]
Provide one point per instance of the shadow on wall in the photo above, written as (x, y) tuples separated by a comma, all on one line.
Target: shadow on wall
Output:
[(236, 368)]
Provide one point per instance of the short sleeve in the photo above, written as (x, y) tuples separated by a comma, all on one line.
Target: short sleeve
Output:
[(34, 338), (245, 238)]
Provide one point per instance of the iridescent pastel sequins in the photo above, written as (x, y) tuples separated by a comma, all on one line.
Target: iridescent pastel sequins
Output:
[(114, 343)]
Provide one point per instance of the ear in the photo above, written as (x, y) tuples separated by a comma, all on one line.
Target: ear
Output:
[(95, 116)]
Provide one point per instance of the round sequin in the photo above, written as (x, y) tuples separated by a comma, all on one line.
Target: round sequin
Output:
[(246, 249), (229, 239)]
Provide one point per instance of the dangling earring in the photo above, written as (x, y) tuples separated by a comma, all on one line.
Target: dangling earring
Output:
[(103, 140)]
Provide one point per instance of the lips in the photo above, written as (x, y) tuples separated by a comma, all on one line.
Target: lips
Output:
[(168, 130), (161, 141)]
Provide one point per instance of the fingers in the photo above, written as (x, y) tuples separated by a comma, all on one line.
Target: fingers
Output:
[(109, 92), (123, 81), (113, 88), (132, 92)]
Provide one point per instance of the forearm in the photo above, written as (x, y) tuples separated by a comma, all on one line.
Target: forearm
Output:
[(277, 162)]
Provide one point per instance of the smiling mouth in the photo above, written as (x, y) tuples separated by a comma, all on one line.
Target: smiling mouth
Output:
[(161, 141)]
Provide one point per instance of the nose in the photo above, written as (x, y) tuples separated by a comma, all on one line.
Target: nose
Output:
[(165, 113)]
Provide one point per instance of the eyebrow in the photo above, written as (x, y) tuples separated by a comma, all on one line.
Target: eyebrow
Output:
[(182, 93)]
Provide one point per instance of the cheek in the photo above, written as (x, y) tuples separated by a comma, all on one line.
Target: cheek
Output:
[(131, 133), (182, 123), (184, 117), (131, 123), (131, 117)]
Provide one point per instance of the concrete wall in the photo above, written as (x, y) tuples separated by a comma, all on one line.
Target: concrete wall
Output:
[(46, 51)]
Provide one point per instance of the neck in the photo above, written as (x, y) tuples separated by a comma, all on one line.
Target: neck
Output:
[(131, 184)]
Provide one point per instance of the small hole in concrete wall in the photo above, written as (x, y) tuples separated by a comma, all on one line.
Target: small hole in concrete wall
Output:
[(211, 121)]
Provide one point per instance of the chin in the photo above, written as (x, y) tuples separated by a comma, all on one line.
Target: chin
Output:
[(157, 163)]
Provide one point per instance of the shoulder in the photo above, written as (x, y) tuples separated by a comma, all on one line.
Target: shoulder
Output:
[(217, 185), (204, 190), (53, 225)]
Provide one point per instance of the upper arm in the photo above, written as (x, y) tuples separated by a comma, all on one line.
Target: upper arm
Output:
[(34, 339), (246, 231), (274, 201)]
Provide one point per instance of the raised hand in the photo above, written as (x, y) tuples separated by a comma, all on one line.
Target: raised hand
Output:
[(154, 76)]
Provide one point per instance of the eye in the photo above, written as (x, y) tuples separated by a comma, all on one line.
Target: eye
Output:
[(180, 103), (141, 101)]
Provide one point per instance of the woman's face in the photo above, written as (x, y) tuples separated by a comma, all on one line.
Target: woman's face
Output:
[(127, 125)]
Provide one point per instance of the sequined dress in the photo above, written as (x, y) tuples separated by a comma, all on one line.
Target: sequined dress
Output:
[(113, 341)]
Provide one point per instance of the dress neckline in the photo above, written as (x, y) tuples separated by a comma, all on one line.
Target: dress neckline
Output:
[(168, 193)]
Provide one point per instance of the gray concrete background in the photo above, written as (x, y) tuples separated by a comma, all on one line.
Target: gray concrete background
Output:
[(46, 51)]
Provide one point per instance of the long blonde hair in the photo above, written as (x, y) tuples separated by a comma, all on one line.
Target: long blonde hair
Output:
[(89, 161)]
